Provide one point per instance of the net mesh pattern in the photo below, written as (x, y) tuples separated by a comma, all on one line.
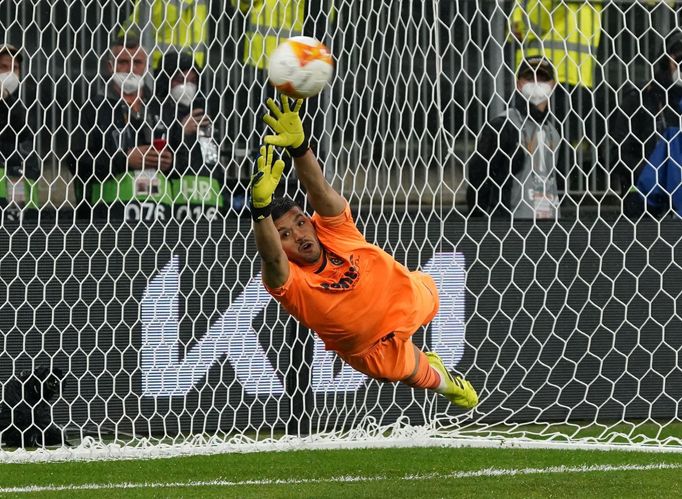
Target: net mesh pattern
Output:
[(133, 320)]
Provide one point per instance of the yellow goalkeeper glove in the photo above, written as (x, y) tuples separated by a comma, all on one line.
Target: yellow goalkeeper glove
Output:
[(287, 126), (263, 183)]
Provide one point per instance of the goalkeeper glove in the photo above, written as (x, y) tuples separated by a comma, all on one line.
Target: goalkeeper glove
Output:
[(287, 126), (263, 184)]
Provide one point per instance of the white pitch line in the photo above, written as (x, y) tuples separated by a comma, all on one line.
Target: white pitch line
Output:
[(485, 472)]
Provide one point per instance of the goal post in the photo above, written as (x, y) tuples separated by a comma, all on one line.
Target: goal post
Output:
[(167, 343)]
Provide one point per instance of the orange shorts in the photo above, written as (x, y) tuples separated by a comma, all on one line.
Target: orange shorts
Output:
[(392, 358), (430, 286)]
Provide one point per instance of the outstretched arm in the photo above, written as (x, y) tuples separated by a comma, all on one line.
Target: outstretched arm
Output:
[(275, 265), (323, 198), (287, 125), (274, 262)]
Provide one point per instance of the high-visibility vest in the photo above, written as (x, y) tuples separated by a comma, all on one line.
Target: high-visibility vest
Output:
[(270, 21), (177, 25), (567, 32)]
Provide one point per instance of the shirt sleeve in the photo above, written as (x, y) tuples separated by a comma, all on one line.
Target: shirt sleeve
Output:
[(341, 226), (283, 290)]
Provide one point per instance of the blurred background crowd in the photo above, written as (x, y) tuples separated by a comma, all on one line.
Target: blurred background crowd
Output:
[(149, 110)]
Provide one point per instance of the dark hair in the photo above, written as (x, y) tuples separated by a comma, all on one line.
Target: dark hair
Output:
[(128, 38), (12, 51), (169, 64), (280, 206), (532, 66)]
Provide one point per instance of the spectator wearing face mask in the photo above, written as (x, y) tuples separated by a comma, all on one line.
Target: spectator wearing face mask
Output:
[(197, 177), (513, 170), (646, 132), (566, 32), (121, 155), (19, 165)]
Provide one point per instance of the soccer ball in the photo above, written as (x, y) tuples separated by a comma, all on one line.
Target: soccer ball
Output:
[(300, 67)]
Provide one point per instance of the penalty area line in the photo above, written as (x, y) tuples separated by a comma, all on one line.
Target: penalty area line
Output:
[(486, 472)]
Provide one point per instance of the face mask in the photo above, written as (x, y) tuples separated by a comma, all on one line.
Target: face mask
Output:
[(129, 83), (537, 93), (9, 82), (184, 93)]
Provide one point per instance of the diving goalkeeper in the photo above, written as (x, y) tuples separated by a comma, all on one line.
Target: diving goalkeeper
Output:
[(361, 302)]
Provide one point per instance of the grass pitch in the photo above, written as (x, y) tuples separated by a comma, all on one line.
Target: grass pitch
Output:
[(419, 472)]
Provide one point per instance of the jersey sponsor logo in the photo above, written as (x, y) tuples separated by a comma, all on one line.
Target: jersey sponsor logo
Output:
[(232, 336), (348, 280)]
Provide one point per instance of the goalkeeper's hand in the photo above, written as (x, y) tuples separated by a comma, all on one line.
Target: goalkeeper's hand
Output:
[(264, 182), (287, 125)]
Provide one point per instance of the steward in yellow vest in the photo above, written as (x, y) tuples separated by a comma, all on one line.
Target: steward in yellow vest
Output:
[(567, 32), (269, 22), (176, 25)]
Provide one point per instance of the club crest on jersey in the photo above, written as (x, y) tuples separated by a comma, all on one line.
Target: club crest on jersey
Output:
[(335, 260)]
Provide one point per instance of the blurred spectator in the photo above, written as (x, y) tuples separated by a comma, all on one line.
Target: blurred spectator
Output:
[(175, 25), (512, 172), (268, 23), (567, 33), (196, 177), (19, 167), (646, 132), (120, 145)]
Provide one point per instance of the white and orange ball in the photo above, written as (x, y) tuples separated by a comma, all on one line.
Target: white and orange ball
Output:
[(300, 67)]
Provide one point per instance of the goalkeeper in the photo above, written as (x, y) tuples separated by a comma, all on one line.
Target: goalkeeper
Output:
[(360, 301)]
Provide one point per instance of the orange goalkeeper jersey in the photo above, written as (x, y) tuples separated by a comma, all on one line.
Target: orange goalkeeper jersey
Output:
[(359, 293)]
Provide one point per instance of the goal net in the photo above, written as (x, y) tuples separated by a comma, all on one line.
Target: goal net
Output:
[(156, 337)]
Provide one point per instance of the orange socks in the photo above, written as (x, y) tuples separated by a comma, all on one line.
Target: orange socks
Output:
[(426, 377)]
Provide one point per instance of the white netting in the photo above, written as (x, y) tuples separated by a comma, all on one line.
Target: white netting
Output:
[(141, 292)]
